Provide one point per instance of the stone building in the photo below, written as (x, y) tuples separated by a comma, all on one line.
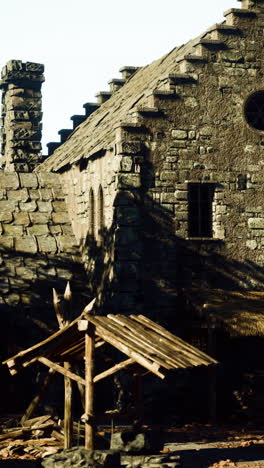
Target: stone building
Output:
[(158, 188)]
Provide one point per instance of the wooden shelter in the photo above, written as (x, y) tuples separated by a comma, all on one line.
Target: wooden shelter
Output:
[(142, 341)]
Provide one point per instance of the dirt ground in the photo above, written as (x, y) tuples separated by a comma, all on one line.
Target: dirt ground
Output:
[(199, 445), (215, 446)]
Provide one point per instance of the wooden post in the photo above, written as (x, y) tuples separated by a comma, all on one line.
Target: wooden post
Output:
[(89, 388), (212, 371), (68, 384), (138, 395), (68, 423), (64, 317)]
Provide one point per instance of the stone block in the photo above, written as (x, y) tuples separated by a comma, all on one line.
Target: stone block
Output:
[(60, 218), (47, 244), (59, 206), (179, 134), (12, 299), (28, 206), (136, 442), (181, 195), (28, 180), (26, 244), (6, 216), (251, 244), (66, 243), (168, 198), (48, 180), (21, 218), (40, 218), (6, 242), (256, 223), (26, 273), (168, 175), (129, 147), (128, 180), (126, 164), (44, 206), (38, 230), (45, 194), (57, 229), (13, 230), (18, 195), (58, 193), (78, 457), (9, 180)]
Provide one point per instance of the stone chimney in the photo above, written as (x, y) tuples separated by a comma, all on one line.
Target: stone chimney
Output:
[(251, 4), (21, 115)]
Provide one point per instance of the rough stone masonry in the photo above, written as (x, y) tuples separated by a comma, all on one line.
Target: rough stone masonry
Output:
[(159, 188)]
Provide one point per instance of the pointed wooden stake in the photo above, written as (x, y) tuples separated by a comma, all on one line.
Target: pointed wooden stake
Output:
[(57, 308), (89, 388), (67, 305)]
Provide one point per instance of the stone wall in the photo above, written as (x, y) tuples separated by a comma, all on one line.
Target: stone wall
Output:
[(38, 251)]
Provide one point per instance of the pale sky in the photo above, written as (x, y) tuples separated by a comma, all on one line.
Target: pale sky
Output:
[(84, 43)]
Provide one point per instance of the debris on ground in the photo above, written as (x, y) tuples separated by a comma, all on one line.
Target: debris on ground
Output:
[(37, 437)]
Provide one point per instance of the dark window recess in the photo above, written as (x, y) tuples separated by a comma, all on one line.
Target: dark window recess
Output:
[(242, 182), (200, 200), (254, 110)]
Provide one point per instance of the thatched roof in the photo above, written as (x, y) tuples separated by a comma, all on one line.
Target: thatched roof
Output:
[(240, 313)]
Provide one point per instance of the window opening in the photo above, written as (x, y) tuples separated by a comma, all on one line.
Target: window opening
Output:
[(200, 201), (254, 110), (100, 211), (91, 214)]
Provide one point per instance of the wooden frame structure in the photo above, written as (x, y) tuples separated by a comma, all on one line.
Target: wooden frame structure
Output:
[(144, 343)]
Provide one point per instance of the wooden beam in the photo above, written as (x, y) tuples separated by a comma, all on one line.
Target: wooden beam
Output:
[(114, 369), (109, 337), (68, 421), (61, 370), (89, 388), (35, 402)]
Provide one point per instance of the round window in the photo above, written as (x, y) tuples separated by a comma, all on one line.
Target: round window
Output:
[(254, 110)]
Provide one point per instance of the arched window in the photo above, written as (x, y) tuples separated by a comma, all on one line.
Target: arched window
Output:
[(91, 220), (100, 212)]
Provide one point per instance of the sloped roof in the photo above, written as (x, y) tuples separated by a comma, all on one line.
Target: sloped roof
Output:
[(97, 132), (240, 313), (144, 341)]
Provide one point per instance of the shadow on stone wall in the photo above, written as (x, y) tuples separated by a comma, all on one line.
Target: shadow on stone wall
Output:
[(27, 314)]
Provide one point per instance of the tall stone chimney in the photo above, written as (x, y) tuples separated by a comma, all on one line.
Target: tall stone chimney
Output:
[(21, 115)]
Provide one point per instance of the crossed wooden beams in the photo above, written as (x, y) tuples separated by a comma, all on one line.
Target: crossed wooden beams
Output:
[(144, 342)]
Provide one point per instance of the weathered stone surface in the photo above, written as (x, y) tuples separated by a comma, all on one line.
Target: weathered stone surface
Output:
[(38, 230), (46, 244), (179, 134), (28, 206), (132, 441), (60, 218), (18, 195), (256, 223), (79, 457), (9, 181), (21, 218), (28, 180), (128, 181), (26, 244)]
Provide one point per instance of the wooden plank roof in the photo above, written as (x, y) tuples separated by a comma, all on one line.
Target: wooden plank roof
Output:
[(142, 340)]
